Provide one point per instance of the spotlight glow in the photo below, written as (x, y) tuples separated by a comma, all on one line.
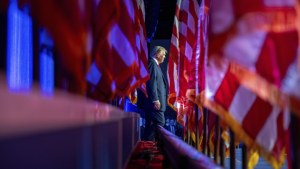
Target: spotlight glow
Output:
[(19, 49)]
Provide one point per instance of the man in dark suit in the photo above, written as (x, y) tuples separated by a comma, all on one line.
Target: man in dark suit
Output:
[(157, 93)]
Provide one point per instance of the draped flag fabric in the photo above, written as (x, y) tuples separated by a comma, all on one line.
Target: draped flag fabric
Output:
[(197, 66), (253, 47), (102, 45), (142, 49), (125, 68), (182, 49), (188, 53), (261, 30), (141, 37), (261, 126)]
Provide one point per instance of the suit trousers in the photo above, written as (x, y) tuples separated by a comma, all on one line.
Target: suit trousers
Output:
[(153, 118)]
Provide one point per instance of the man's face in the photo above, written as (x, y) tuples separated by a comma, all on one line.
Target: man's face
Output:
[(161, 56)]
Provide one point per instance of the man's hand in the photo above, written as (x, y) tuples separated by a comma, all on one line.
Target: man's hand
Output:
[(156, 105)]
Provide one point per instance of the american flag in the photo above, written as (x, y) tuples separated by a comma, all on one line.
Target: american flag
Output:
[(120, 55), (252, 46), (142, 45), (182, 50), (102, 44), (186, 67), (260, 125)]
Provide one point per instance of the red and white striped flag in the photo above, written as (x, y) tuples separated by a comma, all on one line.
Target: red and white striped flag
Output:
[(260, 125), (260, 32), (186, 68), (182, 50), (259, 41), (117, 63), (141, 72), (142, 45), (197, 66), (121, 52), (101, 43)]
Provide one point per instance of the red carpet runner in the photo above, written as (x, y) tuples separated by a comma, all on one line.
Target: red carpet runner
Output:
[(146, 155)]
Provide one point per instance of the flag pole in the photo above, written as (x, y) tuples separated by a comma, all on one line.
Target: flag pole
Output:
[(196, 126), (232, 150), (222, 153), (204, 131), (244, 157), (294, 141), (217, 139)]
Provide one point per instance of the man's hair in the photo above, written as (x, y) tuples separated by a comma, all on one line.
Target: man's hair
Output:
[(157, 49)]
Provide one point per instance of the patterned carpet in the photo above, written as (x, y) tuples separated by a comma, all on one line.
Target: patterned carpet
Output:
[(146, 155)]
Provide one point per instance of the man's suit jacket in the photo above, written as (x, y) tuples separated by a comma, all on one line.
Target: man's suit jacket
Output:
[(156, 86)]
